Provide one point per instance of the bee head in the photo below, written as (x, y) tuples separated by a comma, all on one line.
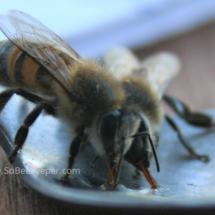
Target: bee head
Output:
[(115, 129), (126, 134)]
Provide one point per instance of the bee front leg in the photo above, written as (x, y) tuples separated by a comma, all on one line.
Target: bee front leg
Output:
[(74, 148), (204, 158), (22, 133), (183, 111)]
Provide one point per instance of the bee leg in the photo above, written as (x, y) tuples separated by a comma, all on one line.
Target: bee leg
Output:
[(5, 97), (37, 100), (7, 94), (22, 133), (193, 118), (114, 171), (74, 148), (111, 177), (204, 158), (29, 96)]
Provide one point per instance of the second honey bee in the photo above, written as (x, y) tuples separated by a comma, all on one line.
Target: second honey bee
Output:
[(117, 108)]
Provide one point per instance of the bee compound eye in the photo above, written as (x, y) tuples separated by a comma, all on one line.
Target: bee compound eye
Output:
[(108, 125)]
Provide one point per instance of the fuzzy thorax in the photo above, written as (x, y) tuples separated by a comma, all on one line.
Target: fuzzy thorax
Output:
[(96, 92)]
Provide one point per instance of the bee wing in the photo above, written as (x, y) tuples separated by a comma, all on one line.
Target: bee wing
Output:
[(39, 42), (158, 70), (120, 62)]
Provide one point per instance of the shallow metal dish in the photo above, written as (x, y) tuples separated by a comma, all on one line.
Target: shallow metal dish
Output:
[(186, 184)]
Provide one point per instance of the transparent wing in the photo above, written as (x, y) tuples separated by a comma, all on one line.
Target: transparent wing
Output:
[(120, 62), (39, 42), (158, 70)]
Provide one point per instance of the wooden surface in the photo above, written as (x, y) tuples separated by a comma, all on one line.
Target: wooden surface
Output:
[(195, 86)]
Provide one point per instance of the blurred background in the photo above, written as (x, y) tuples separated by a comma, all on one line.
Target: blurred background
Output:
[(93, 27)]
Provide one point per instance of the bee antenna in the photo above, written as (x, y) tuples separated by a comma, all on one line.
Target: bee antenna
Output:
[(94, 160), (145, 133)]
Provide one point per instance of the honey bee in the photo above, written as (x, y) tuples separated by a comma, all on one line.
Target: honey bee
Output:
[(116, 108)]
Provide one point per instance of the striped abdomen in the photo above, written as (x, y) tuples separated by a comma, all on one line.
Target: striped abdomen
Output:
[(19, 70)]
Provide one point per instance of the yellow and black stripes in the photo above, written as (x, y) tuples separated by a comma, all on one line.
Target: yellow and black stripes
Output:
[(44, 78), (18, 74), (19, 69), (4, 47)]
